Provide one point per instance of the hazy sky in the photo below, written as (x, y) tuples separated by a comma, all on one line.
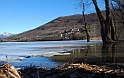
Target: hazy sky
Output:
[(17, 16)]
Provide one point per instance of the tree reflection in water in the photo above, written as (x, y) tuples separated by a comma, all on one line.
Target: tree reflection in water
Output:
[(109, 53), (96, 54)]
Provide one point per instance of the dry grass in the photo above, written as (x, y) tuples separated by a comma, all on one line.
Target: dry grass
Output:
[(74, 71)]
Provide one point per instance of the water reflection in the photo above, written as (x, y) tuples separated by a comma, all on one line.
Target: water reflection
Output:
[(108, 53), (98, 53), (112, 53)]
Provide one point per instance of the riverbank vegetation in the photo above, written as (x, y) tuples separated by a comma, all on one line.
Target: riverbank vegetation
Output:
[(78, 70)]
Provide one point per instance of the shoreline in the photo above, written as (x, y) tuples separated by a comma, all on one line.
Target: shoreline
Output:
[(77, 70), (73, 70), (61, 54)]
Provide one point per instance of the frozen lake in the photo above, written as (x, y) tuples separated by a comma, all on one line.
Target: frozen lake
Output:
[(39, 53)]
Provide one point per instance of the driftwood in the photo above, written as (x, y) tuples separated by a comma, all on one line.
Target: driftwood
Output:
[(7, 71)]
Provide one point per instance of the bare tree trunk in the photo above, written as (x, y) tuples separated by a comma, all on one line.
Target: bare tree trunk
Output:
[(87, 33), (110, 28), (102, 21), (108, 31), (86, 30)]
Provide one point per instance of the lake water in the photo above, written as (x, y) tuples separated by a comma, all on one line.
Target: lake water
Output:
[(53, 53), (94, 54)]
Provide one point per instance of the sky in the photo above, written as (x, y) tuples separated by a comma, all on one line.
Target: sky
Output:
[(17, 16)]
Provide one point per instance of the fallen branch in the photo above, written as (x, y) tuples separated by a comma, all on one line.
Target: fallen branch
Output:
[(7, 71)]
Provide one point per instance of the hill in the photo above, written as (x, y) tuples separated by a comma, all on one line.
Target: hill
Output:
[(62, 27)]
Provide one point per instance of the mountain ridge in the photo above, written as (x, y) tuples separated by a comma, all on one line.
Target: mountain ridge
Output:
[(5, 34), (63, 25)]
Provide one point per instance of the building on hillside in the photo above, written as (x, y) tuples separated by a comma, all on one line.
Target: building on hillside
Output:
[(74, 30), (72, 34)]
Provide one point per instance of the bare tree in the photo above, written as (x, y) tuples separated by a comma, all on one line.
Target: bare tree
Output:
[(85, 25), (118, 7), (108, 30), (120, 3)]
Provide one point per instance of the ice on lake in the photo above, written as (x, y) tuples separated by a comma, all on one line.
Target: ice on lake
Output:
[(18, 51)]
